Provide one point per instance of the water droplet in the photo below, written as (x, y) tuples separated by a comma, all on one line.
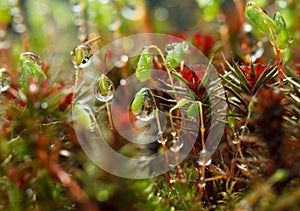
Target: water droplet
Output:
[(291, 40), (123, 82), (104, 89), (132, 13), (4, 80), (76, 8), (18, 18), (173, 173), (204, 158), (265, 21), (148, 108), (282, 4), (235, 138), (115, 25), (160, 138), (169, 48), (243, 131), (5, 44), (247, 28), (173, 133), (29, 191), (33, 57), (33, 87), (53, 146), (65, 153), (202, 183), (19, 28), (177, 144), (124, 58), (44, 105), (81, 56)]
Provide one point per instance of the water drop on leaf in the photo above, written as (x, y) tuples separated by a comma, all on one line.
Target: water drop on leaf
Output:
[(143, 67), (235, 138), (81, 56), (104, 89), (160, 138), (33, 57), (143, 106), (204, 158), (169, 48), (202, 183), (4, 80), (177, 144)]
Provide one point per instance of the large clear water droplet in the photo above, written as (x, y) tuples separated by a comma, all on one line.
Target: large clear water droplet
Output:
[(33, 57), (104, 89), (177, 144), (148, 108), (204, 158), (81, 56), (4, 80)]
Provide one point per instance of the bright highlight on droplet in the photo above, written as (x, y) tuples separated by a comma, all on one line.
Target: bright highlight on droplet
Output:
[(33, 57), (104, 89), (81, 56), (4, 80), (204, 158)]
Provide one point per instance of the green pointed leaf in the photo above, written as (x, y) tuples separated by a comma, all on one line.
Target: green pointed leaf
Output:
[(282, 38), (231, 84), (193, 110), (237, 71), (206, 75), (143, 66), (266, 75), (279, 176), (105, 85), (260, 20), (30, 69), (176, 56), (137, 103), (245, 89), (252, 71), (82, 116), (231, 90), (179, 77), (179, 104), (293, 74)]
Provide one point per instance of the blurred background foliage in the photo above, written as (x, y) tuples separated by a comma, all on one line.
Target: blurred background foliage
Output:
[(42, 166)]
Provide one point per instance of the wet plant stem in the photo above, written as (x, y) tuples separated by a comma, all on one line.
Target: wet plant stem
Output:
[(109, 115)]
